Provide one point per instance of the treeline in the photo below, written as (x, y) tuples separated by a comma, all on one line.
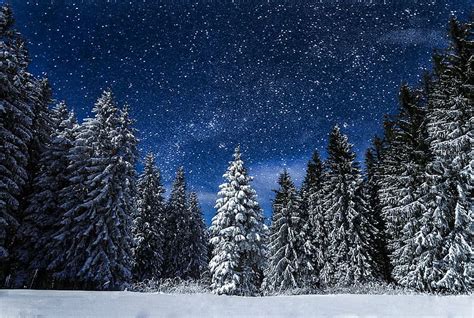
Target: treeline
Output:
[(409, 219), (74, 213)]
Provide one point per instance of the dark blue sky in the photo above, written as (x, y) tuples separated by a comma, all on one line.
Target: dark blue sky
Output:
[(201, 77)]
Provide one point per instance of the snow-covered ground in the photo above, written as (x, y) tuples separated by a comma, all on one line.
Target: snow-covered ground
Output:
[(32, 303)]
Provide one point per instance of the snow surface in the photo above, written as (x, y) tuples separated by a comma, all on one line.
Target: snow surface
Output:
[(35, 303)]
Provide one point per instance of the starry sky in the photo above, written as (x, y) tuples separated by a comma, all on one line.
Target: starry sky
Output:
[(203, 76)]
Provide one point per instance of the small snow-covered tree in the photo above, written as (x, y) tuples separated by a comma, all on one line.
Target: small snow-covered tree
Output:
[(285, 268), (349, 252), (95, 233), (148, 225), (236, 235)]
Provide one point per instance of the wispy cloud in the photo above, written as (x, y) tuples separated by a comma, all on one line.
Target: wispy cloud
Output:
[(414, 36)]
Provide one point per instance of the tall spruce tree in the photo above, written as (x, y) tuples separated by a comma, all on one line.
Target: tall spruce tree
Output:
[(148, 225), (42, 125), (311, 195), (197, 239), (95, 230), (237, 235), (177, 227), (349, 253), (446, 230), (401, 188), (16, 117), (285, 268), (373, 158), (43, 212)]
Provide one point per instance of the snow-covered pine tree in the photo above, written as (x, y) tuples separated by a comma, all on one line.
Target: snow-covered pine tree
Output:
[(16, 116), (197, 239), (445, 237), (148, 225), (349, 258), (285, 271), (42, 126), (95, 230), (401, 192), (311, 195), (176, 228), (43, 212), (236, 235), (373, 156)]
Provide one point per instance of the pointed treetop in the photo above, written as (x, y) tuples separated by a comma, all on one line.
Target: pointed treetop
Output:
[(337, 135), (193, 199), (105, 105), (179, 179), (339, 149), (125, 111), (63, 118), (149, 162), (237, 153), (408, 98), (180, 172), (125, 115), (284, 180), (61, 109)]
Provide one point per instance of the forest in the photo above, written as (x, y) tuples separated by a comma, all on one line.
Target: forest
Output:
[(75, 213)]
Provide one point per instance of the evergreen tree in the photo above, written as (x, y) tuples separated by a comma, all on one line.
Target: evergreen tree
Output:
[(95, 230), (177, 227), (285, 270), (446, 228), (197, 239), (16, 116), (349, 246), (373, 157), (176, 211), (42, 125), (402, 175), (43, 212), (148, 225), (237, 235), (311, 195)]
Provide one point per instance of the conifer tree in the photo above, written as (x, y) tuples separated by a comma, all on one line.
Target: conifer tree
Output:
[(349, 246), (177, 227), (41, 124), (446, 228), (43, 212), (95, 230), (16, 116), (311, 195), (197, 239), (401, 192), (285, 268), (373, 157), (237, 235), (148, 225)]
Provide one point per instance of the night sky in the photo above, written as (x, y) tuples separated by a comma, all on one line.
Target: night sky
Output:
[(201, 77)]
